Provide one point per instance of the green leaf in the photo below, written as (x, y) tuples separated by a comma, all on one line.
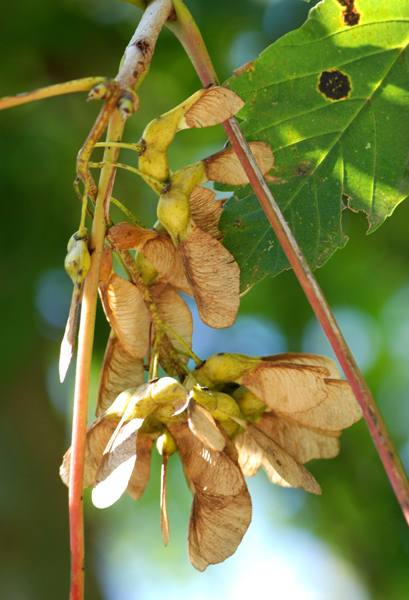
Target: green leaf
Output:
[(332, 99)]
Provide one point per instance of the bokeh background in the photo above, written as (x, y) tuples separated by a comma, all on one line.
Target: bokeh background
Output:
[(352, 541)]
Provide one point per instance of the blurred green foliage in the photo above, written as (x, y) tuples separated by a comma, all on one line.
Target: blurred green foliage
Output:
[(47, 42)]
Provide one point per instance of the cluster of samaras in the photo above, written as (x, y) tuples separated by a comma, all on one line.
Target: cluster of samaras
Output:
[(232, 413)]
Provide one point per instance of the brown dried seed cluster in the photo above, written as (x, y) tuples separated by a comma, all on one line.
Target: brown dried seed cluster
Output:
[(232, 413), (132, 331), (221, 436)]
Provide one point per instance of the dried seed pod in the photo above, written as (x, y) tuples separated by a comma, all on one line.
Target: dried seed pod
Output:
[(203, 425), (206, 211), (157, 247), (338, 410), (225, 167), (119, 372), (141, 471), (119, 457), (284, 464), (287, 387), (221, 509), (208, 106), (98, 436), (127, 236), (176, 314), (213, 276), (216, 104), (314, 360), (301, 443), (127, 314)]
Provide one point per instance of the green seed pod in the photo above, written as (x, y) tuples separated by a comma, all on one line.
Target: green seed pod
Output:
[(224, 367), (221, 406), (78, 260), (251, 406), (174, 206), (166, 443)]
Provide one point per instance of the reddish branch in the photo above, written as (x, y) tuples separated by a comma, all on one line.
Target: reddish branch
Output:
[(189, 36), (138, 56)]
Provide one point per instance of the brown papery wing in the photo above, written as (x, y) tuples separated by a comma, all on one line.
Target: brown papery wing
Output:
[(175, 313), (338, 411), (225, 167), (285, 465), (221, 509), (214, 277), (119, 372), (288, 388), (98, 436), (300, 358), (206, 211), (162, 253), (216, 105), (127, 314), (141, 471), (301, 443)]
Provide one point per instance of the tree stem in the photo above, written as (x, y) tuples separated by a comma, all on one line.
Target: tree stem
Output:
[(77, 85), (150, 25), (83, 371), (189, 35)]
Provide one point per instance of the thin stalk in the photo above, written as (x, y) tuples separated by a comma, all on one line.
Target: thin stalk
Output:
[(151, 24), (136, 147), (154, 364), (155, 184), (189, 35), (127, 212), (77, 85), (188, 351), (83, 370)]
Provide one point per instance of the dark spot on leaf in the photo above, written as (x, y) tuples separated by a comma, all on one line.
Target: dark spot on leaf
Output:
[(237, 223), (334, 84), (350, 15), (304, 168), (279, 463)]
